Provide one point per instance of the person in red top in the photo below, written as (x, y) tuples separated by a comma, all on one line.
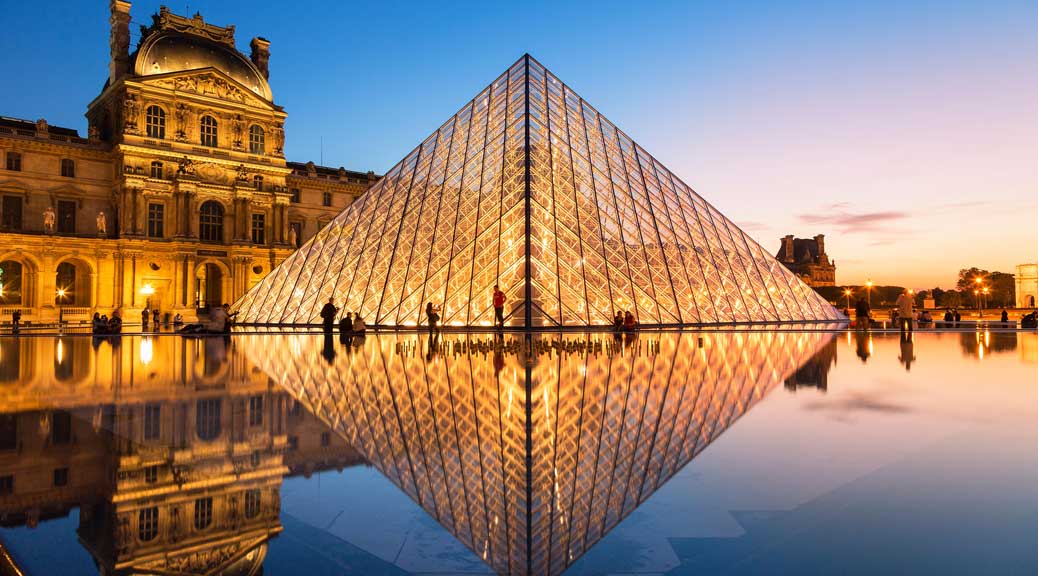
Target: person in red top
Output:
[(499, 307)]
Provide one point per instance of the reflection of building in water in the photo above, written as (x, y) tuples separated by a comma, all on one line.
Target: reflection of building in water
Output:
[(981, 344), (815, 372), (173, 450), (1029, 348), (531, 461)]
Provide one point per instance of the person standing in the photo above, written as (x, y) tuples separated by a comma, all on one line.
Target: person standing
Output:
[(16, 320), (145, 316), (432, 317), (905, 303), (346, 325), (499, 307), (155, 319), (861, 314), (328, 313)]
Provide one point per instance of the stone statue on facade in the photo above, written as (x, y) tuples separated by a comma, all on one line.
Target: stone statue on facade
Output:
[(239, 127), (131, 109), (93, 134), (180, 116), (279, 139), (292, 235), (49, 218), (242, 173), (102, 224), (42, 128)]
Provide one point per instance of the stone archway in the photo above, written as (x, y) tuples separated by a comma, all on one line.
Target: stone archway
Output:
[(20, 282), (74, 283), (212, 283)]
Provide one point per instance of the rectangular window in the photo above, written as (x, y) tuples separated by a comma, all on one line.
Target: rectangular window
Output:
[(252, 503), (255, 410), (156, 220), (326, 198), (6, 485), (203, 513), (60, 477), (68, 168), (12, 216), (259, 228), (148, 524), (152, 418), (151, 474), (295, 195), (60, 428), (156, 170), (14, 161), (67, 216), (297, 227), (326, 439)]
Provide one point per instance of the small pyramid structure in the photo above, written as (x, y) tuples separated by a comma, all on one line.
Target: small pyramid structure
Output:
[(530, 188)]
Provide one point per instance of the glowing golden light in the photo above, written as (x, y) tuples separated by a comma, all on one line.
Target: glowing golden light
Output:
[(147, 351), (60, 352), (61, 292), (147, 289)]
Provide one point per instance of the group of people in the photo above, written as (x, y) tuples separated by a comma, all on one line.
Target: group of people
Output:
[(624, 321), (153, 316), (102, 324), (1030, 320), (350, 324)]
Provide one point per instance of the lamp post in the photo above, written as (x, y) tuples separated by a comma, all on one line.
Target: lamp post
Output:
[(61, 309), (847, 293), (986, 290)]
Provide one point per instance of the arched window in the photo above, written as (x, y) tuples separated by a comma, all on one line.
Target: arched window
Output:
[(256, 139), (207, 131), (210, 222), (155, 122), (257, 182)]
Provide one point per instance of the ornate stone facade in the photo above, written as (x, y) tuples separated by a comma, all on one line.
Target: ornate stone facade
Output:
[(806, 258), (185, 160)]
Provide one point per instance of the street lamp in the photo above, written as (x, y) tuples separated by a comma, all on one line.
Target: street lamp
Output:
[(986, 291), (868, 289), (847, 293), (61, 310)]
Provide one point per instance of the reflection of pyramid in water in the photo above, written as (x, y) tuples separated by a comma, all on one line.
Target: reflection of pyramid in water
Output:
[(531, 188), (530, 462)]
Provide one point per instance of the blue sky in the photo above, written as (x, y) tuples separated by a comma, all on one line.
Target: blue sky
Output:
[(888, 126)]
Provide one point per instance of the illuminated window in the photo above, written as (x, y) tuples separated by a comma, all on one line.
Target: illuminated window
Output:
[(210, 222), (155, 122), (148, 524), (207, 131), (256, 139), (203, 513)]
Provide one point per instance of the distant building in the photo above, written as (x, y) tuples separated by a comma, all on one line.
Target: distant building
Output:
[(1026, 285), (806, 258)]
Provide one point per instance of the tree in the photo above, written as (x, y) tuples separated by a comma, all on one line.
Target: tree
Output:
[(1001, 285), (951, 299)]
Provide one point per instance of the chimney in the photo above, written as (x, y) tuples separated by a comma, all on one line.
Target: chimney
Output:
[(120, 39), (787, 248), (261, 55), (820, 240)]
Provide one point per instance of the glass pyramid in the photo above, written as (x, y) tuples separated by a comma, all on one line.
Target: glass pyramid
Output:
[(529, 187), (530, 459)]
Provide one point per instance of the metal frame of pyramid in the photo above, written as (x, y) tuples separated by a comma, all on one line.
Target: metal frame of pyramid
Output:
[(529, 187)]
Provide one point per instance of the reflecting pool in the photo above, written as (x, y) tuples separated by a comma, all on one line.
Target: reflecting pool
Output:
[(678, 452)]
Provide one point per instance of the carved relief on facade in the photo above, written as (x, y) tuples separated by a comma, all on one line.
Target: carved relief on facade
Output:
[(206, 85), (166, 20)]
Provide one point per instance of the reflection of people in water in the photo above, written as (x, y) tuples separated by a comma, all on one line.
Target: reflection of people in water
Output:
[(434, 346), (499, 362), (861, 342), (907, 350), (329, 348)]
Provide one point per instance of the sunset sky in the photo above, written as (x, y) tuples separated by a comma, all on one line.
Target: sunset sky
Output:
[(906, 132)]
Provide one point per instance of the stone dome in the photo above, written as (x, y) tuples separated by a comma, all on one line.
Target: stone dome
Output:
[(169, 51)]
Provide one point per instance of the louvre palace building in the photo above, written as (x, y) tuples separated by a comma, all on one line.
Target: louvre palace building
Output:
[(178, 197)]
